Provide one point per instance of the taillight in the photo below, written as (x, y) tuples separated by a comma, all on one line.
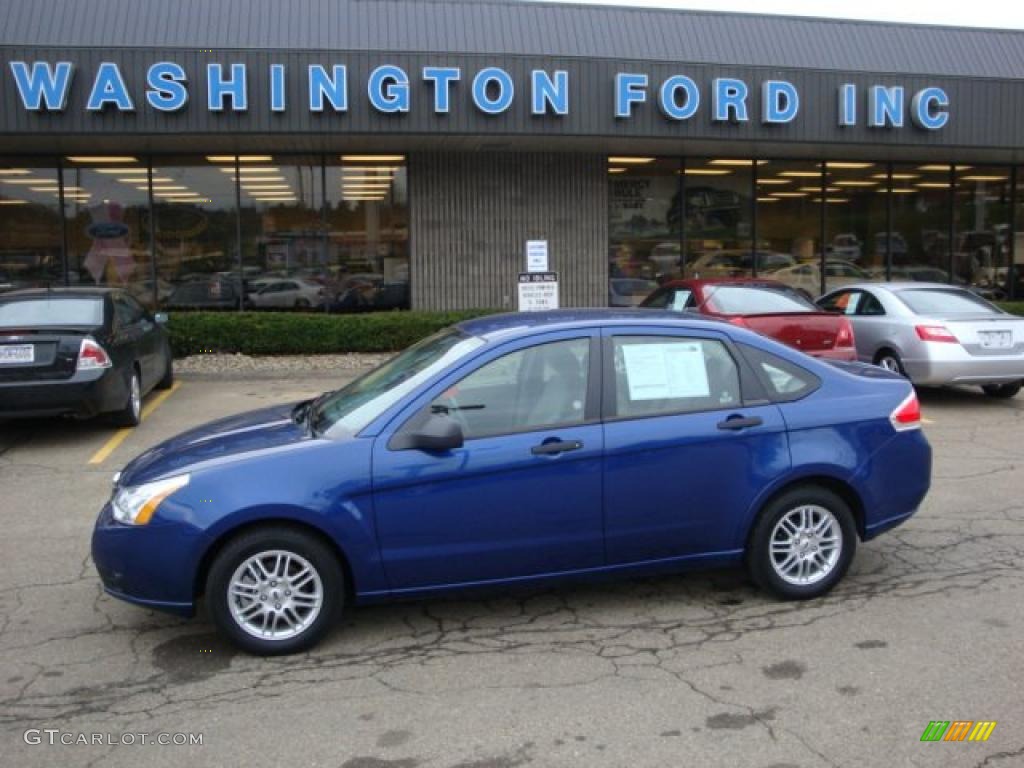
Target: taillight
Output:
[(92, 356), (845, 336), (907, 414), (738, 320), (935, 333)]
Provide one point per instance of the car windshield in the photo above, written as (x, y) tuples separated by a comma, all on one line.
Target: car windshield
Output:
[(353, 407), (946, 301), (51, 311), (756, 300)]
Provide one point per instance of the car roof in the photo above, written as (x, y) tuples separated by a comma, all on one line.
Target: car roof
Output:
[(58, 292), (699, 281), (525, 323), (897, 286)]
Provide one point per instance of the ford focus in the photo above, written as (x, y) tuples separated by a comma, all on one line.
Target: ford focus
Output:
[(520, 449)]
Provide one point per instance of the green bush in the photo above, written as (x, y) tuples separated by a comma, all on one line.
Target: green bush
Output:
[(1016, 307), (293, 333)]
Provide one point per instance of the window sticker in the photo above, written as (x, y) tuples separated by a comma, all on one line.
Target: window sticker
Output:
[(666, 371)]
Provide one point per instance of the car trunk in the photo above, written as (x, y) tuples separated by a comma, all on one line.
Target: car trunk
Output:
[(987, 334), (810, 332), (42, 354)]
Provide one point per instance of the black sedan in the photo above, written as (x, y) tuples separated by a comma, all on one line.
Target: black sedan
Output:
[(80, 352)]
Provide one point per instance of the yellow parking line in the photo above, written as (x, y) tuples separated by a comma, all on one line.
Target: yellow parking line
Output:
[(119, 437)]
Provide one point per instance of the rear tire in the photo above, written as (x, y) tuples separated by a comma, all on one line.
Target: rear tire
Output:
[(1002, 391), (300, 598), (168, 379), (802, 544), (889, 360), (131, 414)]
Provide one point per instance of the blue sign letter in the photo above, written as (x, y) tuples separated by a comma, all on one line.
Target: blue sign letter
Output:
[(109, 88), (388, 89), (506, 90), (929, 109), (886, 107), (630, 89), (848, 105), (167, 92), (669, 103), (547, 93), (277, 88), (780, 102), (730, 97), (333, 86), (217, 88), (43, 85), (442, 78)]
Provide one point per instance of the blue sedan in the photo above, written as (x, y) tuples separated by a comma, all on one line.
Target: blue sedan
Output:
[(518, 449)]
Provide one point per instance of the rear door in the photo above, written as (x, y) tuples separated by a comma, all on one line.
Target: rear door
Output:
[(690, 441)]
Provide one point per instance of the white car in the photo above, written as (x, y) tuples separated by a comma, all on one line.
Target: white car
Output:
[(806, 277), (289, 293)]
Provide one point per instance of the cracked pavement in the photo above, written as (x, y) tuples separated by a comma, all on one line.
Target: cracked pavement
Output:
[(695, 669)]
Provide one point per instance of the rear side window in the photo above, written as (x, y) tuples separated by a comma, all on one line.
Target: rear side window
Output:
[(756, 300), (783, 380), (53, 312), (662, 375)]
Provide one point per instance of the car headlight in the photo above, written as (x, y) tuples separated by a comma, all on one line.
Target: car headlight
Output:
[(135, 505)]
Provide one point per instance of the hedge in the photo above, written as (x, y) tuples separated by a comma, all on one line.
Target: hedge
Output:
[(293, 333), (1016, 307)]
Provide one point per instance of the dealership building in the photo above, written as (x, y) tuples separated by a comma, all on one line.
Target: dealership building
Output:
[(381, 154)]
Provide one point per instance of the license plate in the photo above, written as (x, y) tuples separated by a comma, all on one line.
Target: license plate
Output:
[(996, 339), (13, 354)]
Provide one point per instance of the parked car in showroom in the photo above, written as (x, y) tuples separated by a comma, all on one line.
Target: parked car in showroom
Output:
[(289, 293), (517, 449), (80, 352), (208, 293), (806, 277), (765, 306), (934, 334)]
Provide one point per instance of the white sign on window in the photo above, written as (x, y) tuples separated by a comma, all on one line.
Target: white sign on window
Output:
[(666, 371), (538, 291), (536, 255)]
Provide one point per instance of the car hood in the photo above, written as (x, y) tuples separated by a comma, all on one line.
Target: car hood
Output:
[(221, 440)]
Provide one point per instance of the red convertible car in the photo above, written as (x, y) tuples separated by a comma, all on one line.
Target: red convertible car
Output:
[(766, 306)]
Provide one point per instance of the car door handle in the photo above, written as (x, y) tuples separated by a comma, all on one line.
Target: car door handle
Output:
[(553, 447), (740, 422)]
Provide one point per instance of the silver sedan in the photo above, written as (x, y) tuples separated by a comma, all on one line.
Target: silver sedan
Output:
[(934, 333)]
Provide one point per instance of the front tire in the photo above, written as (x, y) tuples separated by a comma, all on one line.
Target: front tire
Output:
[(1002, 391), (802, 544), (275, 590)]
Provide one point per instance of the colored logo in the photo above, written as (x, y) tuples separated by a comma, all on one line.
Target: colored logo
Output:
[(958, 730)]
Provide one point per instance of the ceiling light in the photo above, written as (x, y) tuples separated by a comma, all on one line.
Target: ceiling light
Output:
[(48, 188), (26, 181), (706, 172), (831, 165), (252, 169), (241, 158), (365, 168), (276, 200), (14, 172), (101, 159), (982, 178), (628, 160), (177, 194), (259, 179), (904, 191), (774, 181), (250, 187), (933, 167), (899, 176), (818, 189), (831, 200), (13, 202), (122, 171), (789, 194), (801, 174), (740, 163), (617, 170), (933, 185), (768, 200), (856, 183), (373, 158), (171, 188), (388, 179)]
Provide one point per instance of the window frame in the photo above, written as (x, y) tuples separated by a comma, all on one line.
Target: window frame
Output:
[(752, 392), (772, 395)]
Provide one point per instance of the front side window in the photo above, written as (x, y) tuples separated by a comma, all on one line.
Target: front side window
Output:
[(844, 301), (661, 375), (535, 388)]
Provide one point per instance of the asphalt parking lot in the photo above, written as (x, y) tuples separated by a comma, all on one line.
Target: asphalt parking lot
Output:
[(695, 670)]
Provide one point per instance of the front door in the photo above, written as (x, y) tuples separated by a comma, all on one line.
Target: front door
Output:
[(687, 449), (522, 496)]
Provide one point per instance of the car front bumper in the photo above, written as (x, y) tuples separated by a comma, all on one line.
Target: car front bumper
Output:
[(86, 393)]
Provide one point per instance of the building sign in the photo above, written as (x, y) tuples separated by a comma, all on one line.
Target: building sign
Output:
[(536, 255), (538, 291), (166, 86)]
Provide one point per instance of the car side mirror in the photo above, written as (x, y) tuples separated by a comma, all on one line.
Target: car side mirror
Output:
[(437, 433), (160, 318)]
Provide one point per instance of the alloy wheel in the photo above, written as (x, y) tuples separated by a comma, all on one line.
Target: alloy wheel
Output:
[(275, 595), (806, 545)]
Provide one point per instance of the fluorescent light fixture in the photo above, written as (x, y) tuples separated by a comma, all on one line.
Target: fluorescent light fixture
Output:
[(27, 181), (789, 194), (14, 172), (373, 158), (903, 191), (738, 163), (241, 158), (897, 176), (178, 194), (122, 171), (856, 183), (979, 177), (252, 169), (831, 200), (259, 179), (363, 199), (801, 174), (367, 168), (366, 185), (276, 200), (388, 179), (630, 160), (774, 181), (707, 172), (768, 200), (251, 187), (48, 188), (617, 170), (831, 164), (932, 185), (817, 190), (171, 188), (13, 202), (101, 159), (934, 168)]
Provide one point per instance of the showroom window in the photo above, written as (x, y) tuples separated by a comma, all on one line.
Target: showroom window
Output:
[(856, 223), (718, 217), (106, 207), (981, 249), (644, 226), (789, 204), (367, 232), (921, 219), (30, 223)]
